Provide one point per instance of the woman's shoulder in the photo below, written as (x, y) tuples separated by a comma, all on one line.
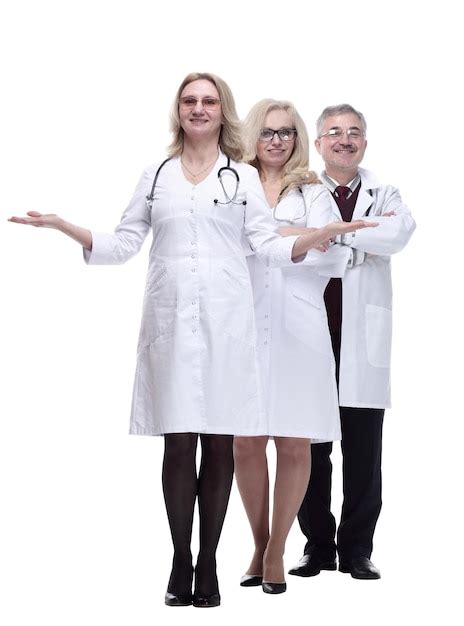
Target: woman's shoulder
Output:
[(314, 189)]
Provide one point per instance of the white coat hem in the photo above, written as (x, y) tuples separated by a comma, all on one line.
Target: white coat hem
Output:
[(139, 430), (364, 405)]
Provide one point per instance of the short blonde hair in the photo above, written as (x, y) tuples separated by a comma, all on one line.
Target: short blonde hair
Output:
[(296, 170), (230, 138)]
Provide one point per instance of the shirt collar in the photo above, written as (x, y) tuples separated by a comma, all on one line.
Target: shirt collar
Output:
[(332, 184)]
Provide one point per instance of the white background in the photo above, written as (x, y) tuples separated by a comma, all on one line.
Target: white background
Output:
[(86, 91)]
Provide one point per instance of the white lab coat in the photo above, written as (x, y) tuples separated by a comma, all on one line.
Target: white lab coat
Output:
[(294, 346), (196, 360), (367, 294)]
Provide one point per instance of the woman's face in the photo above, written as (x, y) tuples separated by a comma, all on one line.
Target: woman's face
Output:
[(200, 110), (275, 152)]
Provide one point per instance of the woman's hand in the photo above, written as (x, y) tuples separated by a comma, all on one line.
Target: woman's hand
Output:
[(314, 238), (49, 220), (287, 231), (340, 228)]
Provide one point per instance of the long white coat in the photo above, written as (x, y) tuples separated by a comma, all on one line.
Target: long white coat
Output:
[(196, 359), (367, 294), (294, 347)]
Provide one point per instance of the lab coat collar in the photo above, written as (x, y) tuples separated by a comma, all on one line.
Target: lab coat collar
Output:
[(368, 179)]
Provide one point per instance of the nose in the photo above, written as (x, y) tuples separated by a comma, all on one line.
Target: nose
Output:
[(276, 140), (198, 108)]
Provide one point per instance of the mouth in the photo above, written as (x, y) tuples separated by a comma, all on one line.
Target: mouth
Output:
[(345, 150)]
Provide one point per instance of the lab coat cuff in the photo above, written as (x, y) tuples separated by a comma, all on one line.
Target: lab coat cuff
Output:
[(102, 252), (282, 255)]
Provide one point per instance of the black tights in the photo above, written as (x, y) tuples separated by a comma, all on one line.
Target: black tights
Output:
[(181, 486)]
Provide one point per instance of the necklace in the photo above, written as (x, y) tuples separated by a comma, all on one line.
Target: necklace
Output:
[(192, 174)]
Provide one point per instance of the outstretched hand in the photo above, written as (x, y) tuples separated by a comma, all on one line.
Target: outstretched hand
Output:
[(48, 220), (340, 228)]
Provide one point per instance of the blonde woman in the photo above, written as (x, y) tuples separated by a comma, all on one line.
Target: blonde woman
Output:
[(294, 347), (197, 313)]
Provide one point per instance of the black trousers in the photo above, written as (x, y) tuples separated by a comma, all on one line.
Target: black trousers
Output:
[(362, 486)]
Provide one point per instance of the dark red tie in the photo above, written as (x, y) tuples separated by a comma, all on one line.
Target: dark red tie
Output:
[(344, 204)]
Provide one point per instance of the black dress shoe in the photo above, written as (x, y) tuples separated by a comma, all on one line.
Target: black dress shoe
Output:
[(250, 580), (360, 567), (274, 587), (171, 599), (206, 601), (312, 564)]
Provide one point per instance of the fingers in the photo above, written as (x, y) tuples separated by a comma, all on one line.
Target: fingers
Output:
[(358, 224), (31, 221)]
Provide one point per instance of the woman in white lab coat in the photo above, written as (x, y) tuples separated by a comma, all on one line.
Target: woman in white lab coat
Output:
[(296, 360), (196, 374)]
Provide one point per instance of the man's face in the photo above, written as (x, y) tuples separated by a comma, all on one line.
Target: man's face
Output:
[(342, 143)]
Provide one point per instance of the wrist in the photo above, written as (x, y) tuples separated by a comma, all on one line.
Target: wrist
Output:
[(59, 224)]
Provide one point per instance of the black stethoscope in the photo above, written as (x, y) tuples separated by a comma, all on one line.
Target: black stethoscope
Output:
[(293, 218), (227, 169)]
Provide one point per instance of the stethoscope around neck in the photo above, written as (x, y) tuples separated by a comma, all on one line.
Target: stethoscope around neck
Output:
[(293, 217), (222, 170)]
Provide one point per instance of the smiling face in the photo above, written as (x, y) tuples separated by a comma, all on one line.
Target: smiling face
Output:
[(275, 153), (200, 111), (343, 154)]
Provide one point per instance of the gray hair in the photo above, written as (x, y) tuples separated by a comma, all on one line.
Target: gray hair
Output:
[(339, 109)]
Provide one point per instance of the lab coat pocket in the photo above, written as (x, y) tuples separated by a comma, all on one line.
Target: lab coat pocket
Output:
[(378, 335), (231, 304), (305, 317), (159, 305)]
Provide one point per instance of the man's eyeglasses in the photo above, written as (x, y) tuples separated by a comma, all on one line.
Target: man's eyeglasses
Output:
[(336, 133), (208, 103), (284, 134)]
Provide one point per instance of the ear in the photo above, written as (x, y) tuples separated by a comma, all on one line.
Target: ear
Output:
[(317, 143)]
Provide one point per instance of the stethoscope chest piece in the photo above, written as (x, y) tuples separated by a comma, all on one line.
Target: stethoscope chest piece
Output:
[(230, 182)]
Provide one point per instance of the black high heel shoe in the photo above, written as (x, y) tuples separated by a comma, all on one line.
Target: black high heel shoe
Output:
[(205, 578), (274, 588), (251, 580), (206, 601), (179, 599), (171, 599)]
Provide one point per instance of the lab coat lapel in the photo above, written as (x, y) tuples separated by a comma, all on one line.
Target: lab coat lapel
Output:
[(363, 203)]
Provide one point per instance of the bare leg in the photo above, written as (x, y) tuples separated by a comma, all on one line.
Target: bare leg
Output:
[(252, 478), (292, 477)]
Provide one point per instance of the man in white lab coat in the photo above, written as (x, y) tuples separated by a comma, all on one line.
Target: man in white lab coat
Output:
[(359, 314)]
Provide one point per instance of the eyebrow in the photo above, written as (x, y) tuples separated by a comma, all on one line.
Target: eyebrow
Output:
[(349, 128)]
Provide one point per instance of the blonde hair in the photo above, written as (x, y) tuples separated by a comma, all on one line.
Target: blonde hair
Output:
[(230, 138), (296, 170)]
